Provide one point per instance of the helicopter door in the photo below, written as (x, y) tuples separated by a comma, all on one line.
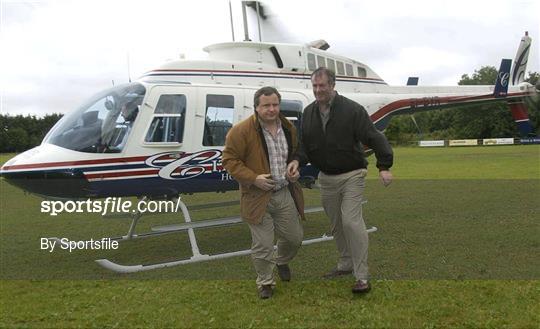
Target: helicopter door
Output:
[(170, 113), (218, 110)]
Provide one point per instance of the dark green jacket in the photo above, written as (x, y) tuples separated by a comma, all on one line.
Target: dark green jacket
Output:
[(341, 148)]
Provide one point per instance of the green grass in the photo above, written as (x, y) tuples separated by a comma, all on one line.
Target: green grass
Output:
[(4, 157), (488, 162), (457, 246), (304, 304)]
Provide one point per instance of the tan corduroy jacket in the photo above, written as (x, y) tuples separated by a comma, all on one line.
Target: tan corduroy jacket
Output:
[(246, 156)]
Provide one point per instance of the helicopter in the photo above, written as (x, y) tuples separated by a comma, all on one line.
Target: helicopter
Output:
[(163, 135)]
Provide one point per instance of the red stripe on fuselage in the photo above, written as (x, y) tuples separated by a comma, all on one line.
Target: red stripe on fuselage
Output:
[(74, 163), (123, 174)]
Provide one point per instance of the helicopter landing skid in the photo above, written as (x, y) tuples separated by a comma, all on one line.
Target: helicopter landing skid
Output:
[(190, 227)]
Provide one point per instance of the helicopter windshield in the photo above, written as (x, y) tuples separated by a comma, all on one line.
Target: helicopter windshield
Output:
[(102, 124)]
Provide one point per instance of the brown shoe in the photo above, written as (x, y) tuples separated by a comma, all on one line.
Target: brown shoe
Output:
[(361, 287), (284, 272), (334, 273), (265, 291)]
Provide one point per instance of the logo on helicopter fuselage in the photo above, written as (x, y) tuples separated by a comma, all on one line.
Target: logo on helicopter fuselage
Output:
[(186, 166)]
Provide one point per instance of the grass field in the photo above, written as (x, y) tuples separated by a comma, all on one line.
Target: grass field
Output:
[(457, 246)]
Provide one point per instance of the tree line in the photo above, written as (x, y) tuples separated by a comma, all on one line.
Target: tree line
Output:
[(20, 133)]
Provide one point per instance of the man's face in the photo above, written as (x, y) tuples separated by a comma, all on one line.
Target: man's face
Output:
[(268, 108), (322, 89)]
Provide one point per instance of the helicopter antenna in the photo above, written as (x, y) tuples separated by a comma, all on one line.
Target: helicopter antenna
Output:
[(128, 68), (258, 20), (244, 15), (232, 25)]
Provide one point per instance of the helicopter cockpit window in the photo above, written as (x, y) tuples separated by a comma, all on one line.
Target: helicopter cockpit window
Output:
[(168, 123), (102, 124), (292, 110), (219, 119)]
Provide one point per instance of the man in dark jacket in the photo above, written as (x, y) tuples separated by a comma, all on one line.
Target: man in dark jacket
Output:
[(334, 132)]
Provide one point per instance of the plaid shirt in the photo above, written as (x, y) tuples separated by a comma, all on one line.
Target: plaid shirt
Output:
[(277, 154)]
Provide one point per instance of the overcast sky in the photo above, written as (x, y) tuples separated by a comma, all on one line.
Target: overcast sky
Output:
[(55, 54)]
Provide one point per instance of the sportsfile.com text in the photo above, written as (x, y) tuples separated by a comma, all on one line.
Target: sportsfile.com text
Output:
[(109, 205)]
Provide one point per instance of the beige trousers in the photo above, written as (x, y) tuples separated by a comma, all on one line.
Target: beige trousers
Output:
[(282, 217), (342, 201)]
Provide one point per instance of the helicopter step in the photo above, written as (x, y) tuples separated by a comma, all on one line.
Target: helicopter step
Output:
[(213, 222), (136, 216)]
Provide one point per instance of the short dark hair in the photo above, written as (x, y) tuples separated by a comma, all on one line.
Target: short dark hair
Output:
[(324, 71), (266, 91)]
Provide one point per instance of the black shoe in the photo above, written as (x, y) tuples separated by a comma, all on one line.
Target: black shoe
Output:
[(284, 272), (265, 291), (336, 273), (361, 287)]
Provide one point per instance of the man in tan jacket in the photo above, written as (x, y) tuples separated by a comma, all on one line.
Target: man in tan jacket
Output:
[(257, 151)]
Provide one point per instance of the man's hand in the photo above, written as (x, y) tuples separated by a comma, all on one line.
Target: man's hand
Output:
[(292, 167), (292, 173), (386, 177), (264, 182)]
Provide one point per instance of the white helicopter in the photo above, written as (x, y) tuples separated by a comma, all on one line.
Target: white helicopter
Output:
[(163, 135)]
